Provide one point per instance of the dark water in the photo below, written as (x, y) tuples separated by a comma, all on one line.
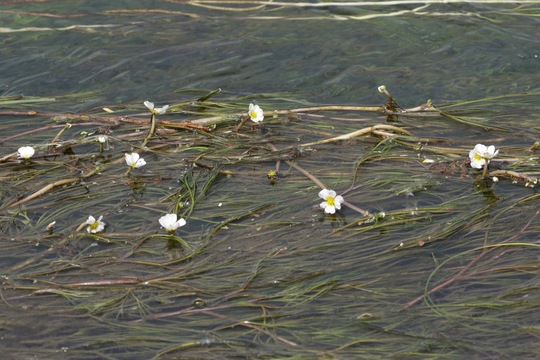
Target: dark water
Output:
[(275, 279)]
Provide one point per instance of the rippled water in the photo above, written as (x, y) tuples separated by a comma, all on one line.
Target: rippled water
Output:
[(322, 54), (270, 275)]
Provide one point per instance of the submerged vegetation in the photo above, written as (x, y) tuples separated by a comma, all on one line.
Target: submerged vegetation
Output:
[(243, 256)]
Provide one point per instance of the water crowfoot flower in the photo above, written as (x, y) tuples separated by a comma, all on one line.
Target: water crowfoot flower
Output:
[(171, 222), (95, 226), (156, 110), (134, 160), (255, 113), (102, 140), (482, 154), (382, 89), (26, 152), (331, 201)]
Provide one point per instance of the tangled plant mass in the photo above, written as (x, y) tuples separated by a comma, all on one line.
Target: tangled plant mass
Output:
[(480, 157)]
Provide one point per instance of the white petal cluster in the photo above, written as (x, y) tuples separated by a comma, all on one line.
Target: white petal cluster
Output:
[(134, 160), (26, 152), (95, 226), (331, 202), (155, 110), (255, 113), (171, 222), (482, 154)]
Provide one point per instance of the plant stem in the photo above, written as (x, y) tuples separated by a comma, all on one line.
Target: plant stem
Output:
[(485, 170), (152, 130)]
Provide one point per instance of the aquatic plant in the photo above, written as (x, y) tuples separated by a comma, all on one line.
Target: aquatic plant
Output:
[(26, 152), (255, 113), (481, 155), (154, 111), (134, 160), (95, 225), (331, 202), (241, 197)]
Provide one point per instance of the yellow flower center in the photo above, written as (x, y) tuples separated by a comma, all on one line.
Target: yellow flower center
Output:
[(477, 157), (330, 201), (94, 225), (253, 114)]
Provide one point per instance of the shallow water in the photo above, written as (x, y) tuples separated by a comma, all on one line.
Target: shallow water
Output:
[(267, 274)]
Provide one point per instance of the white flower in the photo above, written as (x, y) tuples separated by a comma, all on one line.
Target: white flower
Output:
[(382, 89), (102, 139), (331, 201), (95, 226), (134, 160), (26, 152), (171, 222), (156, 110), (480, 154), (255, 113)]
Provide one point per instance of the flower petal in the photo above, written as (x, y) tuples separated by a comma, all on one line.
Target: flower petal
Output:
[(140, 163), (330, 209), (162, 110), (331, 193), (167, 219), (338, 200), (480, 148), (149, 105), (324, 193), (129, 160), (181, 222)]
